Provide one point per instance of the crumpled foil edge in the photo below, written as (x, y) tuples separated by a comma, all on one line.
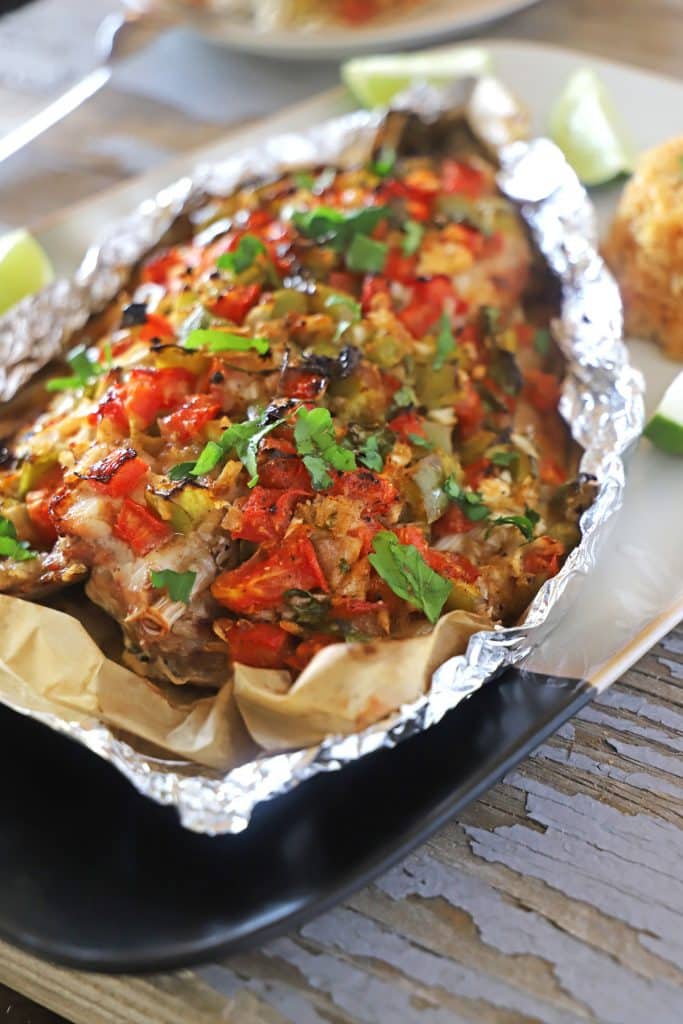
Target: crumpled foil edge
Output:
[(602, 401)]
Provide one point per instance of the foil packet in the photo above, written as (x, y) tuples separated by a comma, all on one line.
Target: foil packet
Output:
[(602, 402)]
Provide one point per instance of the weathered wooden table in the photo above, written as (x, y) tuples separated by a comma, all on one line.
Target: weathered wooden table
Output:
[(558, 897)]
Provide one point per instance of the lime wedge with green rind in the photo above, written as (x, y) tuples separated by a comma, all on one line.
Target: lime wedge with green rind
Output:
[(374, 81), (586, 127), (665, 429), (24, 268)]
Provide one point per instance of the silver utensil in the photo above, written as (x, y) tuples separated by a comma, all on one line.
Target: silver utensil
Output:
[(118, 36)]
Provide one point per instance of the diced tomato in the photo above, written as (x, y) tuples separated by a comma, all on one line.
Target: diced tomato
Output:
[(236, 303), (38, 505), (259, 219), (308, 648), (427, 304), (551, 472), (140, 528), (373, 286), (261, 582), (408, 422), (542, 557), (259, 644), (542, 390), (188, 421), (297, 382), (476, 471), (266, 514), (400, 267), (412, 534), (419, 209), (119, 473), (155, 326), (451, 565), (452, 521), (376, 493), (469, 410), (281, 469), (461, 179), (159, 268), (112, 409), (342, 281), (149, 392)]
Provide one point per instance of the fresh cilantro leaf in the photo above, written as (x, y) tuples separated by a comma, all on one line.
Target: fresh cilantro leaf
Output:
[(10, 546), (85, 371), (328, 225), (178, 585), (421, 442), (470, 502), (506, 459), (245, 438), (182, 471), (445, 342), (316, 442), (243, 256), (302, 179), (404, 397), (210, 456), (375, 449), (385, 162), (414, 232), (404, 569), (222, 341), (525, 523), (542, 341), (366, 255)]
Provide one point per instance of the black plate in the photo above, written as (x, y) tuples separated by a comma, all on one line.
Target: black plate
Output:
[(96, 877)]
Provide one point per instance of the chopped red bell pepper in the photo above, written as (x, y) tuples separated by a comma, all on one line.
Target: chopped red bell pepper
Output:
[(266, 514), (119, 473), (259, 644), (296, 382), (399, 267), (461, 179), (261, 582), (158, 269), (373, 286), (189, 419), (236, 303), (376, 493), (408, 422), (280, 468), (38, 505), (112, 409), (149, 392), (427, 305), (451, 565), (140, 528), (155, 326), (542, 557), (542, 390), (452, 521)]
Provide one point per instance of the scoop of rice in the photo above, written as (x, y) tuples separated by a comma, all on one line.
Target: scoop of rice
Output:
[(645, 248)]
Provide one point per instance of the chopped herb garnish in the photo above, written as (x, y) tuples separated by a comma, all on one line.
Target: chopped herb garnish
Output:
[(244, 439), (542, 341), (182, 471), (325, 224), (211, 455), (10, 545), (421, 442), (375, 449), (222, 341), (85, 372), (470, 502), (445, 342), (404, 569), (404, 397), (414, 232), (526, 523), (316, 442), (366, 255), (243, 256), (506, 459), (385, 162), (178, 585), (302, 179)]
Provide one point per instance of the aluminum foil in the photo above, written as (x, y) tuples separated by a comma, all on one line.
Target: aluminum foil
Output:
[(601, 401)]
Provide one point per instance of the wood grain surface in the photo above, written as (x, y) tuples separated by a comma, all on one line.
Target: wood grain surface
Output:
[(558, 897)]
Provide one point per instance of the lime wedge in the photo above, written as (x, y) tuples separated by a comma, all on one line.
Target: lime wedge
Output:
[(665, 429), (585, 126), (374, 81), (24, 268)]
